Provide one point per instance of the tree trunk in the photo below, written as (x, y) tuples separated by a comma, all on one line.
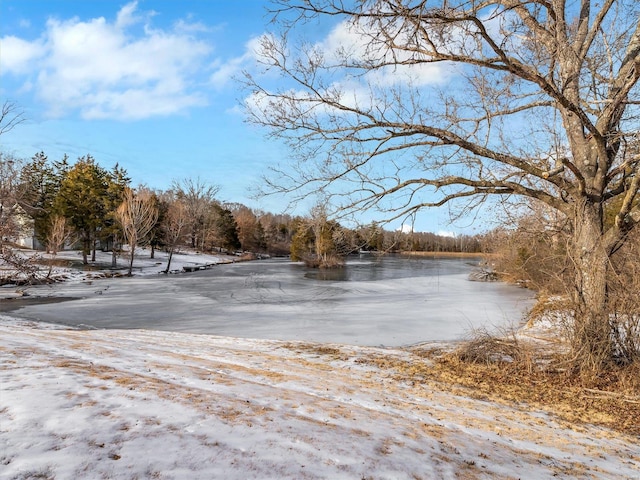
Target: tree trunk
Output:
[(132, 246), (592, 341), (114, 254), (169, 261), (86, 246)]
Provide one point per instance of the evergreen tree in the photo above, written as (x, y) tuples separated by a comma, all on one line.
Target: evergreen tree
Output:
[(226, 229), (302, 243), (41, 180), (84, 199), (110, 232)]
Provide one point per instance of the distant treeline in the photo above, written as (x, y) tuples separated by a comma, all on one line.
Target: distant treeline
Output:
[(82, 203)]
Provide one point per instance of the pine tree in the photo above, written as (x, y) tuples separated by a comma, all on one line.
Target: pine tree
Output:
[(41, 180), (84, 200), (227, 229)]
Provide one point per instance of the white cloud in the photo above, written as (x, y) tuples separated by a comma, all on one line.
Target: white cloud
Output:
[(352, 41), (126, 16), (348, 43), (19, 55), (184, 26), (225, 72), (445, 233), (102, 70)]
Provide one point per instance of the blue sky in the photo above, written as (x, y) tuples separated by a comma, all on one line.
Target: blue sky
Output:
[(147, 84)]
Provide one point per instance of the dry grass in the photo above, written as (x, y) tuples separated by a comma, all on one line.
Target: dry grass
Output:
[(520, 372), (487, 349), (517, 373), (319, 349), (330, 261)]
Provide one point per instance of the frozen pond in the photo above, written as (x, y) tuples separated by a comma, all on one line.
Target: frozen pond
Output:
[(373, 301)]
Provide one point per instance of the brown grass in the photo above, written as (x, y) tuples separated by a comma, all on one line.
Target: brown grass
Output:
[(517, 373), (522, 374), (615, 404)]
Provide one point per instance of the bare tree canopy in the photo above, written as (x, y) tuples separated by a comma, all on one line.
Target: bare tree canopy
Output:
[(137, 215), (198, 197), (10, 116), (410, 104)]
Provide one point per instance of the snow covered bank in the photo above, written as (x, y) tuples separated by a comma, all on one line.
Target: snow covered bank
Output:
[(67, 265), (147, 404)]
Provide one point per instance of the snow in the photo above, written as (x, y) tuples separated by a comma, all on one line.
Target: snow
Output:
[(125, 404), (137, 403)]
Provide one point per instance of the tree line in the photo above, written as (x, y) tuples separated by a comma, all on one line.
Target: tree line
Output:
[(85, 204)]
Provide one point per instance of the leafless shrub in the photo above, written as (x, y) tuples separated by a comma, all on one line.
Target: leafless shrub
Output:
[(624, 300), (626, 336), (326, 261), (533, 254), (59, 233), (17, 268), (484, 347), (588, 358)]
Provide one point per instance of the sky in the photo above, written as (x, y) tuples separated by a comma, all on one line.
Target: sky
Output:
[(151, 85)]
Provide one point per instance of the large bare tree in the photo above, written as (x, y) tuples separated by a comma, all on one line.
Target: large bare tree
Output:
[(410, 104)]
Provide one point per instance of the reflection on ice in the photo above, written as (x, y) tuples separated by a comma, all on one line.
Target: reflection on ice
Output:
[(389, 302)]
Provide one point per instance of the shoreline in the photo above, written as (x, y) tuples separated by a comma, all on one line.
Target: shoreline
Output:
[(445, 254)]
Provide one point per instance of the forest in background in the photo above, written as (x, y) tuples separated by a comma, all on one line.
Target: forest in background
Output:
[(77, 204)]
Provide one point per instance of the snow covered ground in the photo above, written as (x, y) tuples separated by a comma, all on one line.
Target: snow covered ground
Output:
[(143, 263), (138, 404), (143, 404)]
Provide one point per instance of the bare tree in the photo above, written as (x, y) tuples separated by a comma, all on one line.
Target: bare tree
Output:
[(10, 116), (198, 198), (322, 230), (412, 104), (59, 233), (12, 215), (14, 220), (250, 231), (10, 198), (176, 222), (319, 241), (14, 224), (137, 215)]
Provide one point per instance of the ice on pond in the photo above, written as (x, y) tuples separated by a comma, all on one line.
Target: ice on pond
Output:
[(390, 301)]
